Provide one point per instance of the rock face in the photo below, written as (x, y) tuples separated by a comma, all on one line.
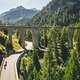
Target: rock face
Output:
[(17, 14), (60, 12)]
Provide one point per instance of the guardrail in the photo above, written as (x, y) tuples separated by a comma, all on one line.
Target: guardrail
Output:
[(2, 66), (17, 64), (18, 61)]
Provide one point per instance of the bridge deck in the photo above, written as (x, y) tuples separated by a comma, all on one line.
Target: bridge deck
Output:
[(1, 26)]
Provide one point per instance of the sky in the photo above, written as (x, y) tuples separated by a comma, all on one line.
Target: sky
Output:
[(6, 5)]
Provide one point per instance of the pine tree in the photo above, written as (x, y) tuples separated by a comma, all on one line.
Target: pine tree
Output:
[(64, 44), (72, 70), (50, 67)]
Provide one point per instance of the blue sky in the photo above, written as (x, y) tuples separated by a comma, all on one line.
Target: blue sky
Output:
[(6, 5)]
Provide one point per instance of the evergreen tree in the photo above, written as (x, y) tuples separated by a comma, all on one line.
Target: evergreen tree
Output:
[(64, 43), (50, 66), (72, 70), (9, 47), (36, 60)]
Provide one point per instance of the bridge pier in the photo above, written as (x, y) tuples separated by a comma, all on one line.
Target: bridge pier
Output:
[(35, 38), (23, 37), (10, 36), (44, 37), (10, 39)]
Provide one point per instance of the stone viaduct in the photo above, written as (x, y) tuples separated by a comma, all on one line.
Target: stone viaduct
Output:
[(35, 32)]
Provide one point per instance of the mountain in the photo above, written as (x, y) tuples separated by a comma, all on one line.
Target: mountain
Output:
[(17, 14), (60, 12)]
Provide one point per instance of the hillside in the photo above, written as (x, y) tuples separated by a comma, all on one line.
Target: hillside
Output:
[(60, 12), (17, 14), (3, 51)]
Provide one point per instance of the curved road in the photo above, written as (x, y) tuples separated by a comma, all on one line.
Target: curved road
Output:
[(10, 73)]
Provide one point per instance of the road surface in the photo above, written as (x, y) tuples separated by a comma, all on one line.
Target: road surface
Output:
[(10, 73)]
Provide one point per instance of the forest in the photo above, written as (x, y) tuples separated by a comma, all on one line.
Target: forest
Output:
[(59, 62)]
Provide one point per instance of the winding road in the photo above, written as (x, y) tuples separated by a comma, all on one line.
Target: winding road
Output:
[(10, 73)]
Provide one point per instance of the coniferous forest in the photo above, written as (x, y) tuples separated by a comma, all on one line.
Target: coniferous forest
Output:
[(59, 62)]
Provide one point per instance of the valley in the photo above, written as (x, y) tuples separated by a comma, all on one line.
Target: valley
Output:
[(41, 44)]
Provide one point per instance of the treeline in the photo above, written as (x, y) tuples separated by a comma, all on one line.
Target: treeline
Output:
[(59, 62)]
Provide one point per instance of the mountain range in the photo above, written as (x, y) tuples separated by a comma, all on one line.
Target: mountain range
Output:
[(60, 12), (17, 14)]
